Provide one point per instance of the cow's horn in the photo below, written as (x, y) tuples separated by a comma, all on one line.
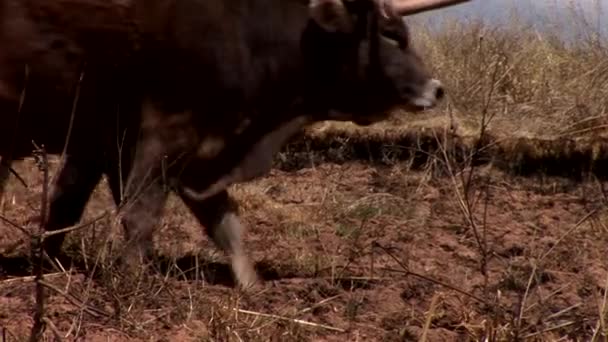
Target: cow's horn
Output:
[(385, 7), (409, 7)]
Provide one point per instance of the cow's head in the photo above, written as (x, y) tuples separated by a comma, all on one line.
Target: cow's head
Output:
[(362, 63)]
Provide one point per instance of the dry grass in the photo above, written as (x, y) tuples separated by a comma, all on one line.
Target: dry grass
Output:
[(532, 82), (539, 99), (435, 248)]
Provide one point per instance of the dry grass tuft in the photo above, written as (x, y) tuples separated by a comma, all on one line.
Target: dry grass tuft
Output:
[(540, 84), (533, 82)]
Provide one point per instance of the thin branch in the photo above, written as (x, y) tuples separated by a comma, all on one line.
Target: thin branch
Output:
[(15, 225), (556, 327), (575, 227), (522, 304), (429, 318), (435, 281), (298, 321), (50, 233), (27, 278), (12, 171), (53, 328), (90, 310), (37, 251), (320, 303)]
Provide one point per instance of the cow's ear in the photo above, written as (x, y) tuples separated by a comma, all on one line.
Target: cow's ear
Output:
[(331, 15)]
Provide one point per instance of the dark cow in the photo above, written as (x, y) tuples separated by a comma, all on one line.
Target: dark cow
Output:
[(192, 95)]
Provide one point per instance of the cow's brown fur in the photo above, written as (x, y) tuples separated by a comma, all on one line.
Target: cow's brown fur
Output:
[(197, 93)]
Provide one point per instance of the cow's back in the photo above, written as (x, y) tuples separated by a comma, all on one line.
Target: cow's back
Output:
[(46, 47), (214, 57)]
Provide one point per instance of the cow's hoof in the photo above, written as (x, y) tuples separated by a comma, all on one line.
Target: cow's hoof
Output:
[(245, 274), (251, 285)]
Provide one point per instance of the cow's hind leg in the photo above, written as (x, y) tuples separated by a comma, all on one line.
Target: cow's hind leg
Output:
[(70, 192), (219, 215)]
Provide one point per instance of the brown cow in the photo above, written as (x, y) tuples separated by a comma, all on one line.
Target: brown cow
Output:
[(196, 95)]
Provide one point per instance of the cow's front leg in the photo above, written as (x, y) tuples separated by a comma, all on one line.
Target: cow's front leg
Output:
[(219, 215), (141, 208), (70, 193), (144, 193)]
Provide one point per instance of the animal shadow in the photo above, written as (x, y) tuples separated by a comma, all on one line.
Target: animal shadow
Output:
[(192, 267), (189, 267)]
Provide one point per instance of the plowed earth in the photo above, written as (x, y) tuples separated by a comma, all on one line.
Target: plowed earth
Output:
[(354, 251)]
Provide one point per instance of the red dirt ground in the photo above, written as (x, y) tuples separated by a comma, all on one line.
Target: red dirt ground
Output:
[(311, 232)]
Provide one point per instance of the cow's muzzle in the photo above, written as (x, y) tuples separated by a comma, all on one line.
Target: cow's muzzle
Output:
[(432, 92)]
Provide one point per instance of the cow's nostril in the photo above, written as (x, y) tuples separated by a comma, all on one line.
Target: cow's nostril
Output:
[(439, 93)]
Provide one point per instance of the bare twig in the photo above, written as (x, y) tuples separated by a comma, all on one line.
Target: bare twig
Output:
[(320, 303), (429, 318), (28, 278), (37, 249), (15, 225), (90, 310), (74, 228), (556, 327), (522, 303), (434, 281), (570, 231), (4, 164), (563, 311), (535, 266), (53, 328), (600, 327), (294, 320), (547, 297), (310, 308)]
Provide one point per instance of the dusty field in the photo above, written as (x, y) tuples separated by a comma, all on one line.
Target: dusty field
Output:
[(363, 252)]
